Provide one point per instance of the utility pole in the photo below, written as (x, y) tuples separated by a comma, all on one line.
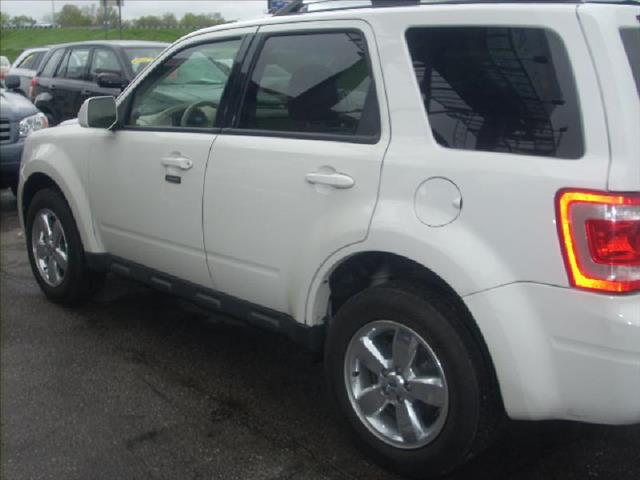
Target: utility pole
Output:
[(120, 17), (53, 14), (105, 23)]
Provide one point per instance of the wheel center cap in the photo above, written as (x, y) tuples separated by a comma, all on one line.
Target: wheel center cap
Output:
[(393, 384)]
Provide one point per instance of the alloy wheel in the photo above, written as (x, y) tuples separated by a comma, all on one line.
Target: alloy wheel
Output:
[(396, 384)]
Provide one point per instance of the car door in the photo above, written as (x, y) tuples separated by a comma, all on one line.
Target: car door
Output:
[(146, 176), (71, 81), (297, 175)]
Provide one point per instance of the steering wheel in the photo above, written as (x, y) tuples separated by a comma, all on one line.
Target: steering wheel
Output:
[(191, 109)]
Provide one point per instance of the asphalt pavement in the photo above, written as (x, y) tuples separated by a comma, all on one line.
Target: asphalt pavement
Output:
[(139, 385)]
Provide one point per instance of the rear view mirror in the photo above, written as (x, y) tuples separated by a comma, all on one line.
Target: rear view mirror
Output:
[(111, 80), (98, 112), (12, 82)]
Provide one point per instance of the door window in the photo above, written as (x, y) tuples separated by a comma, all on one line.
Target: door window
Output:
[(185, 90), (104, 61), (318, 83), (498, 89), (75, 64)]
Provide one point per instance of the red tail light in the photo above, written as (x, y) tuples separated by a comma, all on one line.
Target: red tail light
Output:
[(600, 238), (34, 82)]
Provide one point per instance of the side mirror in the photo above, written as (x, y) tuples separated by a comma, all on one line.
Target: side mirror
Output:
[(98, 112), (12, 82), (111, 80)]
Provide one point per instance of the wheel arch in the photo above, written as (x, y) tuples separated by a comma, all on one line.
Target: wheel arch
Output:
[(38, 175), (353, 273)]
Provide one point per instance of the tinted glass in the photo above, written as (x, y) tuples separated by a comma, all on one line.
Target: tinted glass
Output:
[(52, 63), (186, 89), (76, 63), (31, 61), (631, 40), (104, 61), (315, 83), (141, 57), (498, 89)]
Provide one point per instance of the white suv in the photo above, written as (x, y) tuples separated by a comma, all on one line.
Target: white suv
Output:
[(443, 198)]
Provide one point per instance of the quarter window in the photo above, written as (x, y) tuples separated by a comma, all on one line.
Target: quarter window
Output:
[(631, 40), (498, 89), (312, 83), (185, 90), (31, 61), (52, 63)]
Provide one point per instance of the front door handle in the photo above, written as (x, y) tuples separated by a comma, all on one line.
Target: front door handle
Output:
[(177, 161), (86, 92), (333, 179)]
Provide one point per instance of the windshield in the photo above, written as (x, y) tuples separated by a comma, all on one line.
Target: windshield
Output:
[(142, 56)]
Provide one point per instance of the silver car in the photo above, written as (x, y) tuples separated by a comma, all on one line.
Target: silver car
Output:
[(26, 66)]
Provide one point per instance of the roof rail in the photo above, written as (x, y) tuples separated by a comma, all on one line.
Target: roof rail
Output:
[(304, 6), (307, 6)]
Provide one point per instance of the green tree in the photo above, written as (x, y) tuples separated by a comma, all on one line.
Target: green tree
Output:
[(192, 21), (169, 20), (22, 21), (148, 21), (108, 16), (5, 18), (72, 16)]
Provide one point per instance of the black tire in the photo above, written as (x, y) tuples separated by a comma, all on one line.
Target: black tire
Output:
[(79, 282), (474, 410)]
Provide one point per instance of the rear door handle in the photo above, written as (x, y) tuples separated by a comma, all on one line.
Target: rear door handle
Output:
[(333, 179), (183, 163)]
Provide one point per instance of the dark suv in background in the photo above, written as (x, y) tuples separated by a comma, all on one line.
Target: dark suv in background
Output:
[(73, 72)]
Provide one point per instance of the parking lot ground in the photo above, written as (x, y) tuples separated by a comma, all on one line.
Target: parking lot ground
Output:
[(138, 385)]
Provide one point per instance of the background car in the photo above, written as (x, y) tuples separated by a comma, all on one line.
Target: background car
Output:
[(26, 66), (18, 119), (5, 65), (73, 72)]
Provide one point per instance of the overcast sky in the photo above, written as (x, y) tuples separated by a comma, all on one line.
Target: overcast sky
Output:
[(231, 10)]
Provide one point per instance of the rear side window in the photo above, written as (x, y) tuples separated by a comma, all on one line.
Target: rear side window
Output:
[(50, 68), (31, 61), (104, 61), (631, 40), (75, 64), (312, 83), (498, 89)]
